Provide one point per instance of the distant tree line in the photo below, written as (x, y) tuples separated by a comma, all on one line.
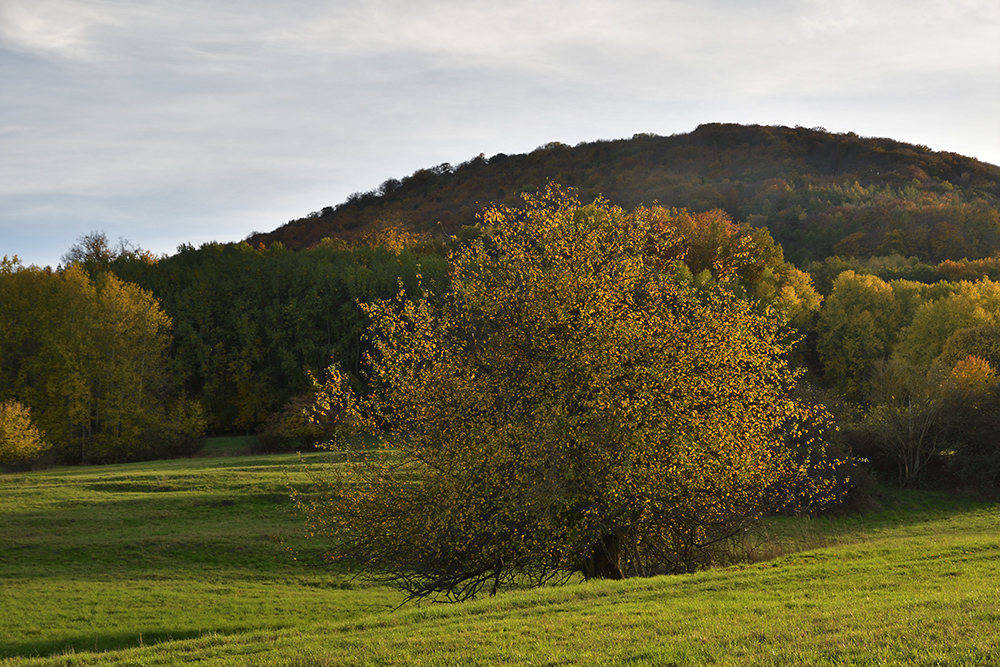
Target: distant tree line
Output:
[(911, 231), (226, 337), (251, 323), (112, 351), (920, 361), (84, 367)]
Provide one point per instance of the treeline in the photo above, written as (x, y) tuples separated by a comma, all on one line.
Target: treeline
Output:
[(85, 366), (225, 337), (820, 194), (919, 361), (120, 356), (250, 324), (892, 304), (898, 267)]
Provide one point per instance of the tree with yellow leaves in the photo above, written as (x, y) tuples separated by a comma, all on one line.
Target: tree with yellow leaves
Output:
[(89, 357), (568, 405), (19, 438)]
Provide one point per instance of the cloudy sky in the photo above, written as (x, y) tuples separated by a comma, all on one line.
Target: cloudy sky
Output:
[(186, 121)]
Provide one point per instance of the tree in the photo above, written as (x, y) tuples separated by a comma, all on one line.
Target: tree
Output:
[(906, 418), (95, 252), (972, 403), (972, 305), (857, 328), (89, 356), (19, 438), (568, 405), (744, 260), (982, 341), (948, 414)]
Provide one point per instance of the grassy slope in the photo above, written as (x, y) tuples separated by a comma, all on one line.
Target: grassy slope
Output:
[(181, 561), (92, 558)]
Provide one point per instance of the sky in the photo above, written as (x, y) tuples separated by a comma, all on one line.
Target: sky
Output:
[(169, 122)]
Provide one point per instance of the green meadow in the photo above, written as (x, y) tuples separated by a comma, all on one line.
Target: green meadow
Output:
[(203, 561)]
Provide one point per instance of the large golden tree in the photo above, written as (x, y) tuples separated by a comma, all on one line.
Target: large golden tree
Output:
[(569, 405)]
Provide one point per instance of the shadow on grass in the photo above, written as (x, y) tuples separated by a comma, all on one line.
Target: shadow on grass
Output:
[(904, 507), (897, 509), (98, 643)]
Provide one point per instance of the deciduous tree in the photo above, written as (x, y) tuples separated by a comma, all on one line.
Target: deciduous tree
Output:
[(89, 356), (19, 438), (905, 417), (567, 405), (971, 305), (858, 327)]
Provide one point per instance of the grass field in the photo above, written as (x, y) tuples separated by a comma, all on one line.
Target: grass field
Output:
[(175, 562)]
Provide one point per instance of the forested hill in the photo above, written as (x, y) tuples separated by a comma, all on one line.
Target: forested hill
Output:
[(819, 193)]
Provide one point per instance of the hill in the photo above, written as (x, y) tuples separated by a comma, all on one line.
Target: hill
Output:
[(819, 193)]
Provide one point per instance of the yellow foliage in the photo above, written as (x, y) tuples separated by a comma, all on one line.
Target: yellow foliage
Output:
[(19, 438), (857, 328), (935, 321), (568, 405), (89, 357), (973, 374)]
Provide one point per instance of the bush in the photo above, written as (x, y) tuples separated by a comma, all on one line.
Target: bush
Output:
[(296, 427)]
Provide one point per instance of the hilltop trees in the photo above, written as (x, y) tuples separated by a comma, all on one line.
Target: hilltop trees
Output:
[(817, 193), (569, 404)]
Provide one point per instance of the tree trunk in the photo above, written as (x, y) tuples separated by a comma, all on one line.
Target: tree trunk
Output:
[(605, 558)]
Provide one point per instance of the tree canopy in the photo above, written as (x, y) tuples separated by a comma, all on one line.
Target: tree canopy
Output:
[(569, 404), (19, 438), (88, 356)]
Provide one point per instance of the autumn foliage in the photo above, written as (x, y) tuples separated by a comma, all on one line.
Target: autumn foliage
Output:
[(88, 356), (568, 405), (19, 437)]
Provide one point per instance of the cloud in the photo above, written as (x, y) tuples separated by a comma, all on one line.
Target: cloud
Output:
[(53, 28)]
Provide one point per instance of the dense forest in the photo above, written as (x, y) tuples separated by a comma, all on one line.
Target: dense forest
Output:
[(237, 329), (876, 259)]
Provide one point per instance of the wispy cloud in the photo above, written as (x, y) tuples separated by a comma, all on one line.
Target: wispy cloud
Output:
[(54, 28)]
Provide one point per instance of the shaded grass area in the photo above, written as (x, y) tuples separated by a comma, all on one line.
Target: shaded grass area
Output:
[(234, 445), (188, 561)]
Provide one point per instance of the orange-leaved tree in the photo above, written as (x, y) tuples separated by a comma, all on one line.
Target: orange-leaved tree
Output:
[(568, 405)]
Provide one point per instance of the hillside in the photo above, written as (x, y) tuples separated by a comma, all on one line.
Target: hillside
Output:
[(819, 193)]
